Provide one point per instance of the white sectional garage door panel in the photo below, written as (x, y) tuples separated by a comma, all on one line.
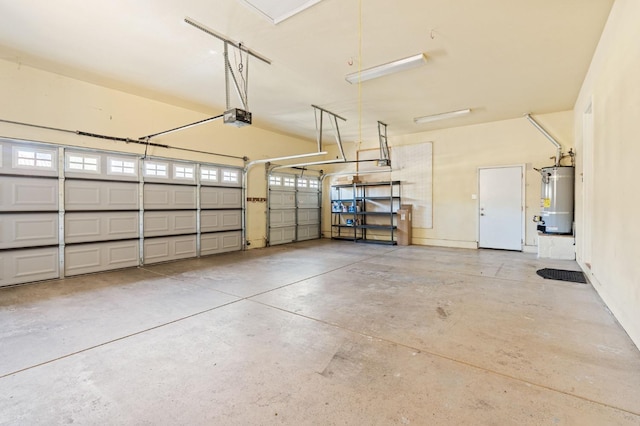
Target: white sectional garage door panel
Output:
[(220, 220), (163, 249), (24, 194), (308, 216), (169, 197), (280, 218), (282, 235), (308, 200), (87, 258), (220, 198), (308, 232), (169, 223), (220, 242), (282, 199), (28, 230), (100, 195), (101, 226), (21, 266)]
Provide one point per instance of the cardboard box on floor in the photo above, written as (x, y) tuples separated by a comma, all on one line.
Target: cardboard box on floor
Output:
[(404, 225)]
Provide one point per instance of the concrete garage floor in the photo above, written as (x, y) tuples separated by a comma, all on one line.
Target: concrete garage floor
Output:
[(318, 333)]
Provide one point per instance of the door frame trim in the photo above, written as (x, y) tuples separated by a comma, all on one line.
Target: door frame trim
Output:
[(523, 197), (584, 250)]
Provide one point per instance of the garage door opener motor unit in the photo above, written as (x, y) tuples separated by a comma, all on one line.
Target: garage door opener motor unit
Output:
[(237, 117)]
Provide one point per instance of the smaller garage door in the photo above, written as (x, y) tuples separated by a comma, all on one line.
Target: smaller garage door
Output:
[(294, 208)]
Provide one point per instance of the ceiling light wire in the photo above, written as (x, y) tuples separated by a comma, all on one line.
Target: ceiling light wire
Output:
[(359, 74)]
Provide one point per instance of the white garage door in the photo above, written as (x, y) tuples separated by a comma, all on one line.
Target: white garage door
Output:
[(67, 211), (294, 208)]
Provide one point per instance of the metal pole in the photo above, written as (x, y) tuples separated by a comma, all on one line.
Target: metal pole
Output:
[(548, 136), (226, 76), (219, 36), (186, 126), (236, 85), (329, 112), (338, 138), (319, 130)]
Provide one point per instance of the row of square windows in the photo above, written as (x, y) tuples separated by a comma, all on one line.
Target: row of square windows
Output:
[(42, 159), (290, 182)]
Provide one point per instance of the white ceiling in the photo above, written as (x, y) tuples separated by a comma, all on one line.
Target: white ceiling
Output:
[(501, 58)]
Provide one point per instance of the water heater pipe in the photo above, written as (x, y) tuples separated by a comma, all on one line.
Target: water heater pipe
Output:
[(548, 136)]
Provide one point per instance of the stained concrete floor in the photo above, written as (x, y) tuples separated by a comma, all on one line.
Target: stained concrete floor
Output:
[(318, 333)]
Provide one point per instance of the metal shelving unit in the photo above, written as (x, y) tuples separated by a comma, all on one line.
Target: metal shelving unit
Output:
[(365, 212)]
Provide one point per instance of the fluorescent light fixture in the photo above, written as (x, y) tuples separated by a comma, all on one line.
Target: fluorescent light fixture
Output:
[(388, 68), (443, 116)]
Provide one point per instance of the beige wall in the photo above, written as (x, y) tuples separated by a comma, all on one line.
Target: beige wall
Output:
[(459, 152), (608, 201), (38, 97)]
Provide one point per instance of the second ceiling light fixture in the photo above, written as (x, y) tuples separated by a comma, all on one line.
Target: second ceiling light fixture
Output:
[(386, 69)]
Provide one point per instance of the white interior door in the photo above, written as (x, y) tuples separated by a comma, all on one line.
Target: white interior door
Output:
[(501, 208)]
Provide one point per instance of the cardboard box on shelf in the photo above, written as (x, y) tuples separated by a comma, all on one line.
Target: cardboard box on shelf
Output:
[(346, 180)]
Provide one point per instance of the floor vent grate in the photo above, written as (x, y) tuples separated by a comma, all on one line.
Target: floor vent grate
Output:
[(562, 275)]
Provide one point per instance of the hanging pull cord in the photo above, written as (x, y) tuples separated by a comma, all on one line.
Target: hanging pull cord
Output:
[(243, 71), (241, 89)]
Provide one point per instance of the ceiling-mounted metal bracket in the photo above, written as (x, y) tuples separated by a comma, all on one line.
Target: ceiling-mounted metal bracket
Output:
[(219, 36), (333, 119), (240, 79), (385, 160)]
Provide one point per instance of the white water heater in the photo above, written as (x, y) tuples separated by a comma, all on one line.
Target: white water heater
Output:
[(556, 201)]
